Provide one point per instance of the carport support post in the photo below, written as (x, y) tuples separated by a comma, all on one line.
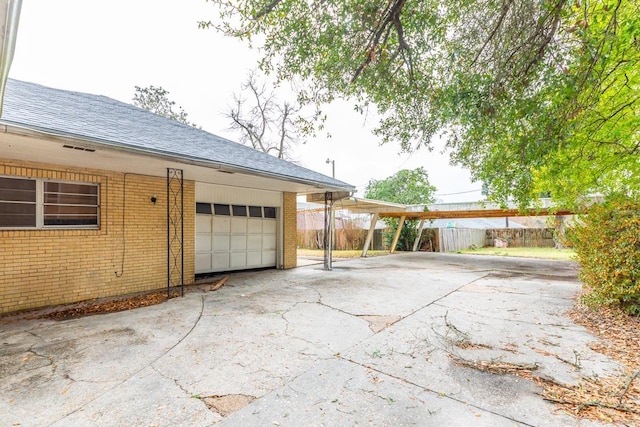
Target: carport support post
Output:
[(372, 228), (397, 236), (417, 241), (328, 230)]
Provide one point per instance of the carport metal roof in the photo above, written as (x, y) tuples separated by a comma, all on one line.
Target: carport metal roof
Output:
[(359, 205)]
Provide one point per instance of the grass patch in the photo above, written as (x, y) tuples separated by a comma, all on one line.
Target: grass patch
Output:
[(339, 254), (544, 253)]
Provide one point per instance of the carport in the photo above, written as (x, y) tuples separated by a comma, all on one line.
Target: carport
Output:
[(380, 209)]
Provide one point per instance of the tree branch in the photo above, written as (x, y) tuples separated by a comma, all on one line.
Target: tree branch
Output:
[(266, 9), (546, 40), (505, 9), (389, 16)]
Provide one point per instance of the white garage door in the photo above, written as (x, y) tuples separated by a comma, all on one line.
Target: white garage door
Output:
[(235, 237)]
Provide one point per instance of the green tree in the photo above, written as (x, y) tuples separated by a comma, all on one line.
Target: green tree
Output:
[(410, 187), (156, 99), (531, 96)]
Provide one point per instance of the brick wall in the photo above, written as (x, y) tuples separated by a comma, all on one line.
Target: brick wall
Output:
[(127, 254), (290, 221)]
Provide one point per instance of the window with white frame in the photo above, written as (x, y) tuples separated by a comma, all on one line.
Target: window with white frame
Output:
[(38, 203)]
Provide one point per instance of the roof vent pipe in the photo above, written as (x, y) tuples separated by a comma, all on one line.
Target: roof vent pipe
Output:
[(9, 17)]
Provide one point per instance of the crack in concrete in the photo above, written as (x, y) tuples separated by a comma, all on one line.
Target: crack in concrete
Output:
[(286, 329), (440, 395), (175, 381), (358, 316), (339, 310), (142, 368), (35, 335), (425, 388), (484, 316), (435, 301), (66, 376), (47, 358)]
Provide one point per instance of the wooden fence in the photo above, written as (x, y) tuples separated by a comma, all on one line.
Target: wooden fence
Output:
[(522, 237), (455, 239), (344, 239), (439, 239)]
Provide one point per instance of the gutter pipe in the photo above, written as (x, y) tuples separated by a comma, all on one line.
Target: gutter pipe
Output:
[(10, 16)]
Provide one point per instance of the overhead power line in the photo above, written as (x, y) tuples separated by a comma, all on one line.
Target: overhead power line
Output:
[(459, 192)]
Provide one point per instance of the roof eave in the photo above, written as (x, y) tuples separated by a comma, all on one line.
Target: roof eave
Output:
[(34, 131)]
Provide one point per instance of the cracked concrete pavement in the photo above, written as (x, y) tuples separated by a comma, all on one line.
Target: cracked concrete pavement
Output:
[(370, 343)]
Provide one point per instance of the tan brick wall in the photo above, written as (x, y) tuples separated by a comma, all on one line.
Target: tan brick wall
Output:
[(290, 229), (127, 254)]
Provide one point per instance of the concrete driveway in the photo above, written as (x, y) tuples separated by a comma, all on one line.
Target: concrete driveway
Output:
[(371, 343)]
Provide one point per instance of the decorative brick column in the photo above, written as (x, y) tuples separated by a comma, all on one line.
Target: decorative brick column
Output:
[(290, 229)]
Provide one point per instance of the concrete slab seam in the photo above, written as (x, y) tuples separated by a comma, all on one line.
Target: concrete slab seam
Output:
[(141, 369), (440, 395)]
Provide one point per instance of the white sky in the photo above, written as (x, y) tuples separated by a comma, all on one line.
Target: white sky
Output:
[(108, 47)]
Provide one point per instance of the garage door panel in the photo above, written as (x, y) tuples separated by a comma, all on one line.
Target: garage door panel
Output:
[(254, 243), (203, 223), (221, 261), (203, 263), (269, 226), (203, 243), (254, 259), (254, 226), (221, 224), (238, 259), (238, 243), (238, 225), (269, 257), (268, 242), (221, 243)]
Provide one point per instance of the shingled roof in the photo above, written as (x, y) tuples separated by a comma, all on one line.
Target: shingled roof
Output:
[(111, 123)]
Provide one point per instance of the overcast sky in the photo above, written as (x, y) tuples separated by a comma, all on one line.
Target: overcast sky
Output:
[(108, 47)]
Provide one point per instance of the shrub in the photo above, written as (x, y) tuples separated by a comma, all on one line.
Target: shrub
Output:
[(607, 245)]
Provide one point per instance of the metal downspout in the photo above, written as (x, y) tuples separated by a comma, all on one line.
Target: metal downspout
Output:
[(10, 15)]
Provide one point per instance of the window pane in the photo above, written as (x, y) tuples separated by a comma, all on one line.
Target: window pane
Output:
[(69, 210), (269, 212), (17, 202), (18, 184), (17, 214), (203, 208), (14, 195), (239, 210), (17, 190), (70, 199), (68, 204), (221, 209), (64, 187), (255, 211), (60, 220)]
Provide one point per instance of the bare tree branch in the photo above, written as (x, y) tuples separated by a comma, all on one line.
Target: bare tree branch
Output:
[(264, 122)]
